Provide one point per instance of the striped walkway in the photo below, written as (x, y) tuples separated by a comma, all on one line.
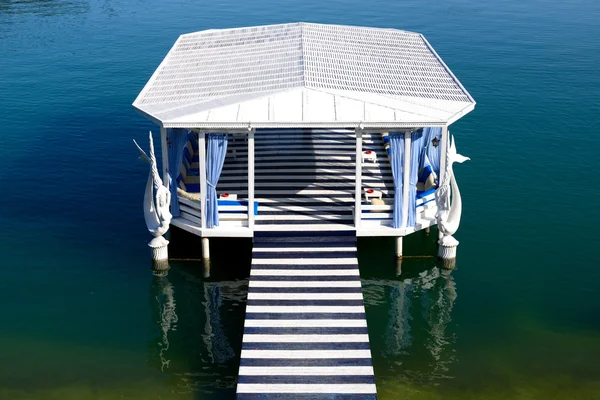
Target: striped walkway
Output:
[(305, 334)]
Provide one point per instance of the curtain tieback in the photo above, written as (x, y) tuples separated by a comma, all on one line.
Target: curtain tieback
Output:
[(209, 184)]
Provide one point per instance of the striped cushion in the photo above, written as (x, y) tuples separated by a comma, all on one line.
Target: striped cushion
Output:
[(188, 153), (193, 140)]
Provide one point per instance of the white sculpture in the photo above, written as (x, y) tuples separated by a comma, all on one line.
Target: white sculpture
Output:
[(157, 200), (448, 216)]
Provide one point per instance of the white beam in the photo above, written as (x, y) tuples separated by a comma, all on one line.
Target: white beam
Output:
[(165, 155), (251, 179), (202, 165), (406, 178), (358, 178)]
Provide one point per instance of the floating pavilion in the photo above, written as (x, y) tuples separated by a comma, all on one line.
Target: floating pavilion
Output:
[(304, 137)]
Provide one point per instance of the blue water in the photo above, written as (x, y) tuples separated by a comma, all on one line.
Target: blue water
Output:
[(84, 318)]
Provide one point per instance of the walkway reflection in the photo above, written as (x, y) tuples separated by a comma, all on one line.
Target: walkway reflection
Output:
[(418, 336)]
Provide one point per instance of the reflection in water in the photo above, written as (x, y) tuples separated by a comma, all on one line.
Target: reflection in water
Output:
[(199, 327), (166, 312), (214, 337), (417, 334), (195, 344), (397, 333)]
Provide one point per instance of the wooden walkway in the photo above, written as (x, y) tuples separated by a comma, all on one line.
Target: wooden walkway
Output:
[(305, 334)]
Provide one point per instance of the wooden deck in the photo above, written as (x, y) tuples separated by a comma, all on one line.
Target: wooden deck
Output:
[(305, 334), (305, 178)]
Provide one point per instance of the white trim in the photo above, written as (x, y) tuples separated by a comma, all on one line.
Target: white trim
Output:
[(219, 126)]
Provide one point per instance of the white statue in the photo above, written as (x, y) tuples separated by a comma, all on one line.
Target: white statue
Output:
[(448, 217), (157, 200)]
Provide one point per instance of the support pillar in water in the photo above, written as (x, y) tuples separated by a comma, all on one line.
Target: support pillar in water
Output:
[(399, 246), (205, 249), (206, 266)]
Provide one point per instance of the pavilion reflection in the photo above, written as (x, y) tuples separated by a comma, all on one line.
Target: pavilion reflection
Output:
[(191, 339), (417, 333)]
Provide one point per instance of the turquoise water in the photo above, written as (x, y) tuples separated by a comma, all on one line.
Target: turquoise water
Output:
[(84, 318)]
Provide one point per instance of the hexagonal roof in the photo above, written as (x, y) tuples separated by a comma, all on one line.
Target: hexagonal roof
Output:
[(303, 75)]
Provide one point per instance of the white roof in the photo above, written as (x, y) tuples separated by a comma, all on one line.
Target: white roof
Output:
[(303, 75)]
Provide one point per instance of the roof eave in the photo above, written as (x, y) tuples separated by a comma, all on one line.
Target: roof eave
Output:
[(313, 124), (436, 55), (151, 117), (464, 111)]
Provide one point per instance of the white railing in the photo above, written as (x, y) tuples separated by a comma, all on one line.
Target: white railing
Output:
[(229, 215), (376, 216)]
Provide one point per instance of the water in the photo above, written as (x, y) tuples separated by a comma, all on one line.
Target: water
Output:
[(83, 317)]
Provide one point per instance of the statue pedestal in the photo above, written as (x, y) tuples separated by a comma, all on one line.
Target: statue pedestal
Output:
[(447, 250), (160, 248)]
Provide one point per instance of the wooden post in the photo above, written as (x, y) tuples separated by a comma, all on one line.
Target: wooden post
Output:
[(165, 156), (358, 179), (406, 181), (251, 179), (202, 165)]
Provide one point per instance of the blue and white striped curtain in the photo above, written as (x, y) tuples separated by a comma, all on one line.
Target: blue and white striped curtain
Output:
[(397, 161), (215, 158), (416, 156), (176, 141), (433, 153)]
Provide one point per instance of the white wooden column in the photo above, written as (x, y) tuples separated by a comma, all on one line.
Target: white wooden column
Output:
[(443, 156), (202, 167), (358, 179), (251, 179), (165, 156), (406, 182)]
